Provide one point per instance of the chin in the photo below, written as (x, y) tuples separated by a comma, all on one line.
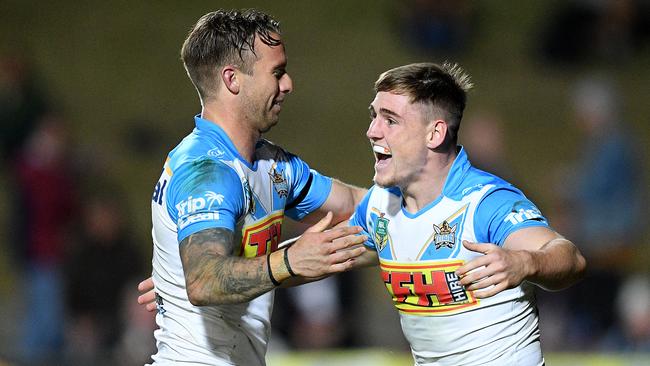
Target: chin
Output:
[(268, 127), (382, 182)]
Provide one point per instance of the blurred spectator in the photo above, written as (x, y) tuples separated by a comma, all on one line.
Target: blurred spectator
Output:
[(103, 262), (603, 203), (631, 333), (317, 323), (47, 199), (596, 30), (441, 26), (136, 343), (312, 316), (22, 102)]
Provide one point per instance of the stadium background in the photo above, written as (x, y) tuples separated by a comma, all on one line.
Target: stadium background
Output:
[(113, 67)]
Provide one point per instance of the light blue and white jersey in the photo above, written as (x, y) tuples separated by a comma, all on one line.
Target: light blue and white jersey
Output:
[(418, 253), (205, 184)]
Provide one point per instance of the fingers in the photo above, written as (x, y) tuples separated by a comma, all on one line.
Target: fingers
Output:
[(482, 294), (146, 285), (337, 233), (343, 266), (348, 242), (149, 296), (151, 307), (483, 248), (148, 299), (347, 254), (321, 225), (472, 265)]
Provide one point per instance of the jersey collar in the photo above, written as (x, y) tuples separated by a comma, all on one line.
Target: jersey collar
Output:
[(457, 173), (204, 126)]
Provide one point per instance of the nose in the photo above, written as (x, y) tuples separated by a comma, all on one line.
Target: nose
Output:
[(373, 132), (286, 84)]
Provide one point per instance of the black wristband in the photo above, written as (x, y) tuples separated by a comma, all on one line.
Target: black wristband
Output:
[(286, 262), (268, 266)]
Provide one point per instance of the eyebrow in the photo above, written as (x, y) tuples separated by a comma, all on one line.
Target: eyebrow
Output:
[(384, 111)]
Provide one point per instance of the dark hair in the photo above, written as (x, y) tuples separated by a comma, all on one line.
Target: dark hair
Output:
[(443, 87), (225, 37)]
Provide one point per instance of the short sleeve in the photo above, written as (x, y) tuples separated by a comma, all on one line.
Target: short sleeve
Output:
[(502, 212), (358, 218), (309, 190), (204, 194)]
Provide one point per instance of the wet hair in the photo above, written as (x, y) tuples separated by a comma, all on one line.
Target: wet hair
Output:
[(442, 87), (225, 37)]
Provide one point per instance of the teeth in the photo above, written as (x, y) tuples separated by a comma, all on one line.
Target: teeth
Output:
[(381, 150)]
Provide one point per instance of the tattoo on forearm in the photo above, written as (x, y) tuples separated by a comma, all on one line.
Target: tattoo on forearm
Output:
[(214, 275)]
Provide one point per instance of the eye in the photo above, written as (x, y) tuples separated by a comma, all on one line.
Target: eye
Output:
[(391, 121), (278, 73)]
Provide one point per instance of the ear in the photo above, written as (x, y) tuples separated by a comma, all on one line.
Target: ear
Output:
[(436, 134), (229, 77)]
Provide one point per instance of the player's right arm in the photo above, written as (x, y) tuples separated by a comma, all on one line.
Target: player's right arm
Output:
[(214, 276), (206, 199)]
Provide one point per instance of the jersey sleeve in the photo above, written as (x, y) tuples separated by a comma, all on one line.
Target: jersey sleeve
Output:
[(309, 189), (358, 218), (204, 194), (502, 212)]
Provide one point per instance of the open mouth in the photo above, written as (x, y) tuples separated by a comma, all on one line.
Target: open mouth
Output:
[(277, 103), (381, 153)]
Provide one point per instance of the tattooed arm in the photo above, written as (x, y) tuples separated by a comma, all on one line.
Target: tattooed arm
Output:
[(213, 276)]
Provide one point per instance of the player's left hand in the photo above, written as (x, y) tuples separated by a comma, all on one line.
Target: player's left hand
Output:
[(148, 297), (497, 270)]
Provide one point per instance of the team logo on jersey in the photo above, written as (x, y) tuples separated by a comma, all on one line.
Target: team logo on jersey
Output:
[(445, 235), (381, 231), (279, 182)]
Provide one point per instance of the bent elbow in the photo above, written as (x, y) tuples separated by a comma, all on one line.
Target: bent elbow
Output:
[(581, 267), (197, 296), (201, 296)]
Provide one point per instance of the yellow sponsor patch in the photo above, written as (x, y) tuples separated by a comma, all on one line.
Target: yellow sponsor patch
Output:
[(262, 237), (427, 287)]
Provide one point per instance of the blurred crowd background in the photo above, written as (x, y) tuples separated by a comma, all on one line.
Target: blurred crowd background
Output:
[(93, 95)]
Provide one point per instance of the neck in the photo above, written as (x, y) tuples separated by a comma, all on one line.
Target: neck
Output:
[(428, 186), (242, 136)]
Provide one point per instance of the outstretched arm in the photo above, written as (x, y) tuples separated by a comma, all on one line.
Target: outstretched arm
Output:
[(213, 276), (535, 254), (342, 201)]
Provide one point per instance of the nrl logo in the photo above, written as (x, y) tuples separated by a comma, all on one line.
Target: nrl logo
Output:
[(381, 232), (445, 235), (279, 183)]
